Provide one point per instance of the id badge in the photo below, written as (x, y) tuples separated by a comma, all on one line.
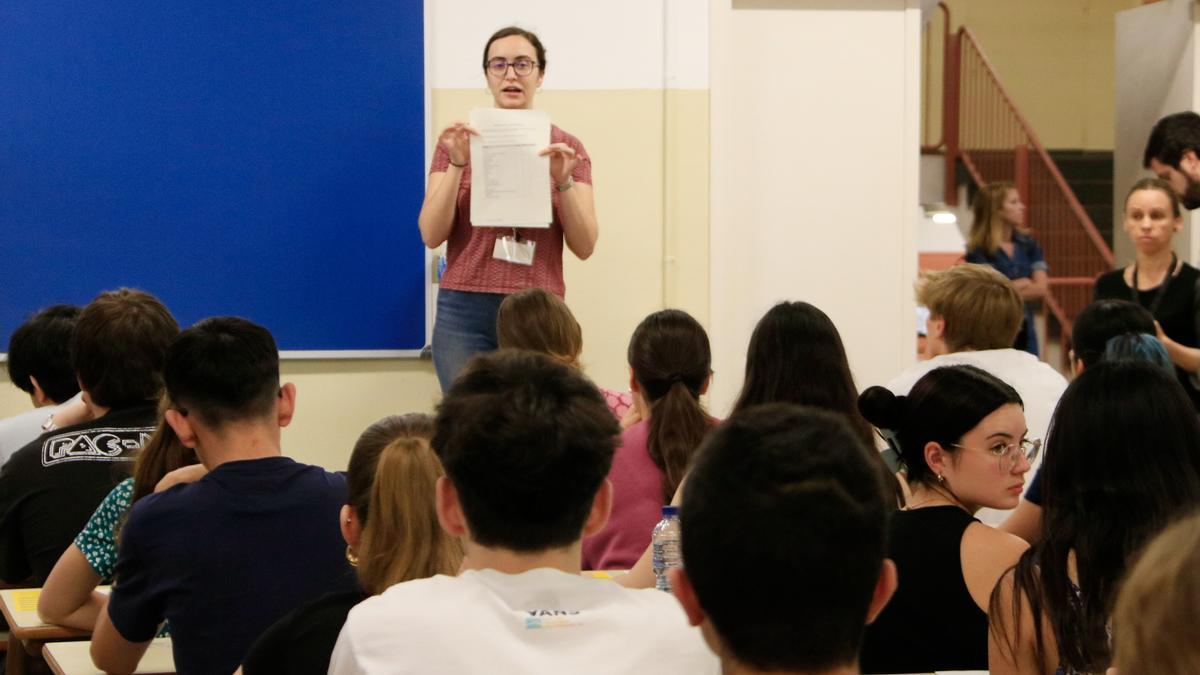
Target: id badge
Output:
[(514, 250)]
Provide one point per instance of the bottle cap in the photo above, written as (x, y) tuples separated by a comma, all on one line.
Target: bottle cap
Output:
[(669, 511)]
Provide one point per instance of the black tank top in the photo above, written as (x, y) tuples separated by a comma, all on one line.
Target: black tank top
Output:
[(931, 622)]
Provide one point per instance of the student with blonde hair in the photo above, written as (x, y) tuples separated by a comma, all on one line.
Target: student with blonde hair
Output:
[(540, 321), (974, 312), (392, 535), (1154, 625), (1000, 238)]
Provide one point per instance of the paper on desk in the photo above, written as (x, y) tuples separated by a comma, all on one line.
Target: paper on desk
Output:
[(26, 601), (510, 184)]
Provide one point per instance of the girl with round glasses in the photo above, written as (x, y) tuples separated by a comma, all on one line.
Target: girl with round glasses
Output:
[(475, 280), (960, 433), (1122, 462)]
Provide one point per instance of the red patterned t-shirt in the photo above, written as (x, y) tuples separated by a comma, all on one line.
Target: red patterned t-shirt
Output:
[(469, 262)]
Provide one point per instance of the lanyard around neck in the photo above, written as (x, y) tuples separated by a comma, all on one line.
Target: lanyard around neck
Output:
[(1162, 288)]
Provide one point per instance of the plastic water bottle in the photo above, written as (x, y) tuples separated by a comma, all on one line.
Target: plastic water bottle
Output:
[(665, 545)]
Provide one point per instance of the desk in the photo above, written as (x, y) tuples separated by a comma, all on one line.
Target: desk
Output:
[(19, 606), (75, 658)]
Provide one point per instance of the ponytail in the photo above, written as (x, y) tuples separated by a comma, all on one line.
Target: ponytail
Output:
[(677, 425), (670, 358), (401, 539)]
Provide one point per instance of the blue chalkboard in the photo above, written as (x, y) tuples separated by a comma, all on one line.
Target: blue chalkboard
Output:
[(262, 159)]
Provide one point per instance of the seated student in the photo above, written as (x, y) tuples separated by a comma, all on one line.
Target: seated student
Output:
[(1123, 462), (540, 321), (392, 535), (526, 443), (974, 314), (670, 365), (1154, 624), (228, 555), (50, 487), (69, 596), (1094, 328), (962, 438), (795, 356), (39, 364), (789, 501)]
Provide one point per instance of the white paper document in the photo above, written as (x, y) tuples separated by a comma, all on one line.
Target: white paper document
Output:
[(510, 184)]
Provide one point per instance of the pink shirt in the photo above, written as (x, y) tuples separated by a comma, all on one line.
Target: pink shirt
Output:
[(637, 505), (469, 262)]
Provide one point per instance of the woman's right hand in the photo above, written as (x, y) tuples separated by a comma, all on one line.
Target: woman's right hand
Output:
[(456, 139)]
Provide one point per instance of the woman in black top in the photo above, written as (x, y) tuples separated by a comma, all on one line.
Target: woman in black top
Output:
[(392, 535), (961, 435), (1158, 279)]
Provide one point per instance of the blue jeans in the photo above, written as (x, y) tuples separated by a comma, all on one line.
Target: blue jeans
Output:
[(464, 326)]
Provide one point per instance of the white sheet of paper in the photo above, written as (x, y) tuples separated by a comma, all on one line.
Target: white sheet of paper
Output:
[(510, 184)]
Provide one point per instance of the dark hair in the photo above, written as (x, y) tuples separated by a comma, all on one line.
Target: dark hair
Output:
[(1161, 186), (526, 441), (509, 31), (796, 356), (41, 347), (1122, 461), (671, 360), (1101, 321), (942, 406), (120, 341), (390, 485), (794, 490), (223, 369), (1172, 136)]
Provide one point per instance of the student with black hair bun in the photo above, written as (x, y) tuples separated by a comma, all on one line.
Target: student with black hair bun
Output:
[(961, 434), (1123, 461)]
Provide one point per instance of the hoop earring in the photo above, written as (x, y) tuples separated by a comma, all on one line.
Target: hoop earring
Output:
[(351, 557)]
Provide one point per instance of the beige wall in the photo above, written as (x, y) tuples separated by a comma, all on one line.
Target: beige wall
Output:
[(1055, 57), (650, 156)]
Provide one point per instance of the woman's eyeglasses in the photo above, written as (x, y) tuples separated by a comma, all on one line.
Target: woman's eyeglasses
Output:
[(499, 66), (1007, 454)]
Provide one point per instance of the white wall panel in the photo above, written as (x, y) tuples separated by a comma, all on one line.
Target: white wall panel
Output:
[(617, 44)]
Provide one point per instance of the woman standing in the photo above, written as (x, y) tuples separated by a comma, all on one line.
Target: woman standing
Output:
[(996, 239), (1158, 280), (475, 281)]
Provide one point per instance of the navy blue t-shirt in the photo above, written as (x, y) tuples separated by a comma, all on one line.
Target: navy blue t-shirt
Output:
[(227, 556)]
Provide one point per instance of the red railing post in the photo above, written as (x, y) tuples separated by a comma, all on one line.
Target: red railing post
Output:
[(951, 86), (1021, 174)]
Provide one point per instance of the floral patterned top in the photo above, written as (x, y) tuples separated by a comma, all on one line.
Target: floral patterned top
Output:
[(98, 540)]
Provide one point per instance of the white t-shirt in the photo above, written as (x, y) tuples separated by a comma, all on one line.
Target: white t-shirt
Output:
[(1039, 385), (19, 430), (540, 621)]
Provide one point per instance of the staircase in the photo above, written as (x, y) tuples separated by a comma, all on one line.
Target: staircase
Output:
[(1089, 173), (986, 138)]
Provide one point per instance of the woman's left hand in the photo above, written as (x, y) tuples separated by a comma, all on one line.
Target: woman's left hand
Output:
[(563, 160)]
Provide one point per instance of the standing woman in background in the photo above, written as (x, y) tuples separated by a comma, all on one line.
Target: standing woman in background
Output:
[(475, 281), (998, 239), (1158, 280)]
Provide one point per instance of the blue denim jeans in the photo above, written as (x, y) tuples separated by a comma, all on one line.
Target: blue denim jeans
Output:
[(464, 326)]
